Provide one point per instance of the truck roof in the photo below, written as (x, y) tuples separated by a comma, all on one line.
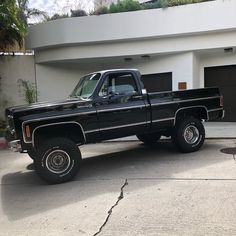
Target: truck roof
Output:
[(115, 70)]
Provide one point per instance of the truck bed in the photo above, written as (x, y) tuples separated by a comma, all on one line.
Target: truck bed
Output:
[(165, 105)]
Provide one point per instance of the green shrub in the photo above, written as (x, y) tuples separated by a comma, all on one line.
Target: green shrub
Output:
[(100, 11), (29, 90), (128, 5), (78, 13), (170, 3), (157, 4), (57, 16), (124, 6), (152, 5), (183, 2)]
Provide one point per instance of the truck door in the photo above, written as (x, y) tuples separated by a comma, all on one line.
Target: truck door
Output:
[(121, 108)]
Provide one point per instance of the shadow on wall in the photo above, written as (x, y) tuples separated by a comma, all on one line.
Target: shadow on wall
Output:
[(24, 194)]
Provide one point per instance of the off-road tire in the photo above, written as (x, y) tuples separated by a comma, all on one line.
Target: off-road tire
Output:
[(188, 135), (149, 139), (58, 160)]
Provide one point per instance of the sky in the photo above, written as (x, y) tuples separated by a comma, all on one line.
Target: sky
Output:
[(61, 6)]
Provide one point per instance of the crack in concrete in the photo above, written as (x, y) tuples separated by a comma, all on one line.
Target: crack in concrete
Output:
[(121, 196)]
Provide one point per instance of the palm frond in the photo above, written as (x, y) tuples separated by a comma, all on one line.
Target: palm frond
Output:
[(36, 12)]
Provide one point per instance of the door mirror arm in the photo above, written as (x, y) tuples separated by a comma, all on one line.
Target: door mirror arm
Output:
[(112, 94)]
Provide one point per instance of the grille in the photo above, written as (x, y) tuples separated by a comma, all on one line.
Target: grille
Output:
[(10, 124)]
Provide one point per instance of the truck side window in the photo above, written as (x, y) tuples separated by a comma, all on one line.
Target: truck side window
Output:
[(120, 84)]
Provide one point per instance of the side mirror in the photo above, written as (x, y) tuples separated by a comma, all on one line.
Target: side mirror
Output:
[(112, 94)]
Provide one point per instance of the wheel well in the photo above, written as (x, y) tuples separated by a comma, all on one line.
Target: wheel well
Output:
[(197, 112), (71, 131)]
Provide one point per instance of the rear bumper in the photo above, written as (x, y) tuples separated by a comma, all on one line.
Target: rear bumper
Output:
[(15, 146), (216, 114)]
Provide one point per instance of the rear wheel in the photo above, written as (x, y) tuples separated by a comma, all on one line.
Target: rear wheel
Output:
[(149, 139), (57, 160), (189, 135)]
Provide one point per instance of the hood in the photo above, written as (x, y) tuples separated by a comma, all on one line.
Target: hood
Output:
[(43, 107)]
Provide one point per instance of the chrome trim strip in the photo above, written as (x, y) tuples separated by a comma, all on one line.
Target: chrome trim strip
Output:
[(149, 122), (121, 108), (183, 108), (58, 123), (116, 127), (218, 109), (181, 91), (51, 118), (181, 101), (160, 120), (91, 131), (123, 126)]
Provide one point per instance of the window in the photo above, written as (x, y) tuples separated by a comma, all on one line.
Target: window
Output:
[(86, 86), (119, 84)]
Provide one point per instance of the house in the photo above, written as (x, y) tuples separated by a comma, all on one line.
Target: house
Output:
[(189, 46)]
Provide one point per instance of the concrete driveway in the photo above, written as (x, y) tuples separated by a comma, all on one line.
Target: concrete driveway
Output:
[(124, 188)]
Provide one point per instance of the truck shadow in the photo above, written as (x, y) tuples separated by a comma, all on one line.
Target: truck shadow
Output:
[(23, 194)]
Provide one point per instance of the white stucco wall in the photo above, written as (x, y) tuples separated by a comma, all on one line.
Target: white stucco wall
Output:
[(196, 71), (206, 17), (13, 68), (181, 66), (56, 82)]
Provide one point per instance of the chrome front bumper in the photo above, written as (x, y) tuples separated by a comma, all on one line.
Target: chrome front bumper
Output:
[(15, 146)]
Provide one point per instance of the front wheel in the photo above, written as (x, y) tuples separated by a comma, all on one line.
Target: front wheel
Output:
[(189, 135), (57, 160)]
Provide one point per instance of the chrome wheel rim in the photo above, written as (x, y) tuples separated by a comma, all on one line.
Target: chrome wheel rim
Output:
[(58, 161), (191, 134)]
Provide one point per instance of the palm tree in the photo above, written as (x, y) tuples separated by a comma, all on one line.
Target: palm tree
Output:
[(12, 29), (25, 12)]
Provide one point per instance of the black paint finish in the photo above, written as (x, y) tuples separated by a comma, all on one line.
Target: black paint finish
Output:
[(116, 110)]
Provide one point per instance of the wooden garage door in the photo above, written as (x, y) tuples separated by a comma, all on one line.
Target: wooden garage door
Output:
[(224, 77), (158, 82)]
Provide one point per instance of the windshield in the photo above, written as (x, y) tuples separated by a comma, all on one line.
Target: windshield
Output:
[(86, 86)]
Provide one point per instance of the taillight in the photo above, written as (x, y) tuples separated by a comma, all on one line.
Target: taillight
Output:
[(221, 101)]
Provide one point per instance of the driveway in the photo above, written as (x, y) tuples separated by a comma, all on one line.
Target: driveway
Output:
[(124, 188)]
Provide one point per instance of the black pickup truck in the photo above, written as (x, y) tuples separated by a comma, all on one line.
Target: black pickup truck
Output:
[(106, 105)]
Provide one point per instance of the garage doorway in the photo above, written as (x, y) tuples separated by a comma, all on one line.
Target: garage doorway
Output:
[(224, 77), (158, 82)]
